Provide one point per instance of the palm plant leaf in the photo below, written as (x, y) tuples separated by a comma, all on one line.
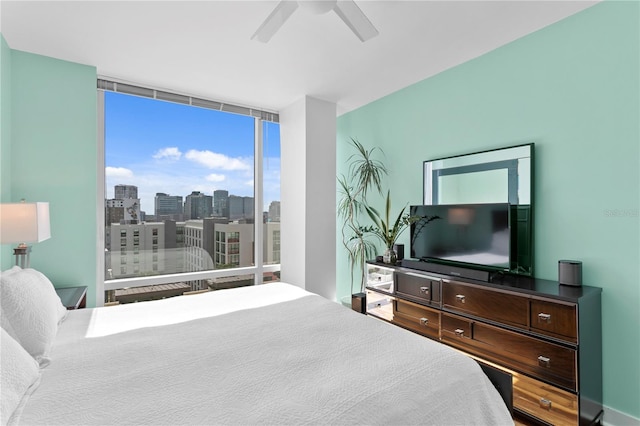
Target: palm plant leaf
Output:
[(379, 227), (365, 170), (364, 173), (384, 230)]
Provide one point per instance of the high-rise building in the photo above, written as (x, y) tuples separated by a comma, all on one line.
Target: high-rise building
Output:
[(274, 211), (143, 249), (125, 207), (122, 192), (221, 203), (198, 206), (114, 212), (125, 210), (271, 245), (234, 245), (168, 207), (248, 205), (240, 207)]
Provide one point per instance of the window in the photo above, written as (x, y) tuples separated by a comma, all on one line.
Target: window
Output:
[(193, 176)]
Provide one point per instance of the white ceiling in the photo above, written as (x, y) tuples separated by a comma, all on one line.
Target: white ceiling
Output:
[(203, 48)]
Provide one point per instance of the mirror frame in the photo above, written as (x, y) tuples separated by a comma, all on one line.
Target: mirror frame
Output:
[(522, 232)]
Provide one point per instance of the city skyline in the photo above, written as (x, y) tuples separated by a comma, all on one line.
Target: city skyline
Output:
[(184, 197), (176, 149)]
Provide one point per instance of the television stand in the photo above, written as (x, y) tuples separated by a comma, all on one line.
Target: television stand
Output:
[(546, 335)]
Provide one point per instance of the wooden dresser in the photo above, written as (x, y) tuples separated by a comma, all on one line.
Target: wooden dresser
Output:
[(546, 335)]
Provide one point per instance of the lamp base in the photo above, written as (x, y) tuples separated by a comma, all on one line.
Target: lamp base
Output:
[(22, 255)]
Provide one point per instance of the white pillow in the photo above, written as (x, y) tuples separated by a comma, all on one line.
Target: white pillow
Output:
[(19, 376), (8, 272), (30, 311)]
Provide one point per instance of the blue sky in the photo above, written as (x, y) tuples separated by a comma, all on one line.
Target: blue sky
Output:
[(176, 149)]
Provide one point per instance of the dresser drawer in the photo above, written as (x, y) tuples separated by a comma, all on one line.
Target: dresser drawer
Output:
[(417, 318), (548, 361), (554, 319), (486, 303), (379, 305), (544, 401), (455, 328), (418, 287)]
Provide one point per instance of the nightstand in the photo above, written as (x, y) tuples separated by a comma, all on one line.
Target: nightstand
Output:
[(73, 297)]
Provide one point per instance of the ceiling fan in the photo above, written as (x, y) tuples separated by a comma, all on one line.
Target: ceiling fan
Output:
[(347, 10)]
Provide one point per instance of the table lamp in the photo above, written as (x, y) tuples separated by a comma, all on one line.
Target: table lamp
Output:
[(24, 223)]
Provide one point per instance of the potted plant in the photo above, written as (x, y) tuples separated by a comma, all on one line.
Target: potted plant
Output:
[(387, 231), (364, 174)]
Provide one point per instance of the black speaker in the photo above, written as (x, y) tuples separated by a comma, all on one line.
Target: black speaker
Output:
[(399, 249), (570, 272), (359, 302)]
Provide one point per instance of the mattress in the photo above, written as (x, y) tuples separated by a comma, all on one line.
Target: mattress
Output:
[(267, 354)]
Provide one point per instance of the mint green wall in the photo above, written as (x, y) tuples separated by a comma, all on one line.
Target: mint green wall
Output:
[(54, 158), (573, 89), (6, 258)]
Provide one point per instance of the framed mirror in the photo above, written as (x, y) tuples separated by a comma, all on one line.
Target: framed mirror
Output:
[(502, 175)]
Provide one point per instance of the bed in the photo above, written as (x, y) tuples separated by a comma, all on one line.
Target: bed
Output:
[(267, 354)]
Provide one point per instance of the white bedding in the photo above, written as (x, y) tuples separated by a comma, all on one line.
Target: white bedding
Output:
[(269, 354)]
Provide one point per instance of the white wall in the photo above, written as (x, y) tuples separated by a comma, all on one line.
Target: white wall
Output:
[(308, 188)]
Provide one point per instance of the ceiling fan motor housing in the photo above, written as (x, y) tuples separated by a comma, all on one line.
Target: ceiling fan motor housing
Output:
[(317, 7)]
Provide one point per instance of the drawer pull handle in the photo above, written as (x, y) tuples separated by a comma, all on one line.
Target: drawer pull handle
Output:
[(460, 297), (424, 290), (424, 321), (545, 403), (543, 361), (459, 332), (542, 317)]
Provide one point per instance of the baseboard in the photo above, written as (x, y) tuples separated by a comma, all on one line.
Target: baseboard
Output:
[(616, 418)]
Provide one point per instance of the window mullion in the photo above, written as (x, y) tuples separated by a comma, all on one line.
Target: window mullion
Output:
[(257, 205)]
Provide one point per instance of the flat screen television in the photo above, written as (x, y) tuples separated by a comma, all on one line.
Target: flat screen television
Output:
[(476, 235)]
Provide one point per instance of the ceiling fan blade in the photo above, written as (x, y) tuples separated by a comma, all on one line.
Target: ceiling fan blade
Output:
[(355, 19), (274, 21)]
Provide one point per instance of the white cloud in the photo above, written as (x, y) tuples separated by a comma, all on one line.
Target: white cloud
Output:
[(215, 178), (170, 153), (118, 172), (213, 160), (249, 183)]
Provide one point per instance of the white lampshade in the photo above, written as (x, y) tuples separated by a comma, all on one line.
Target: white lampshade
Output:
[(24, 222)]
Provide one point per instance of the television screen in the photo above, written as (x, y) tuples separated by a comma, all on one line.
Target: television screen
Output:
[(477, 234)]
